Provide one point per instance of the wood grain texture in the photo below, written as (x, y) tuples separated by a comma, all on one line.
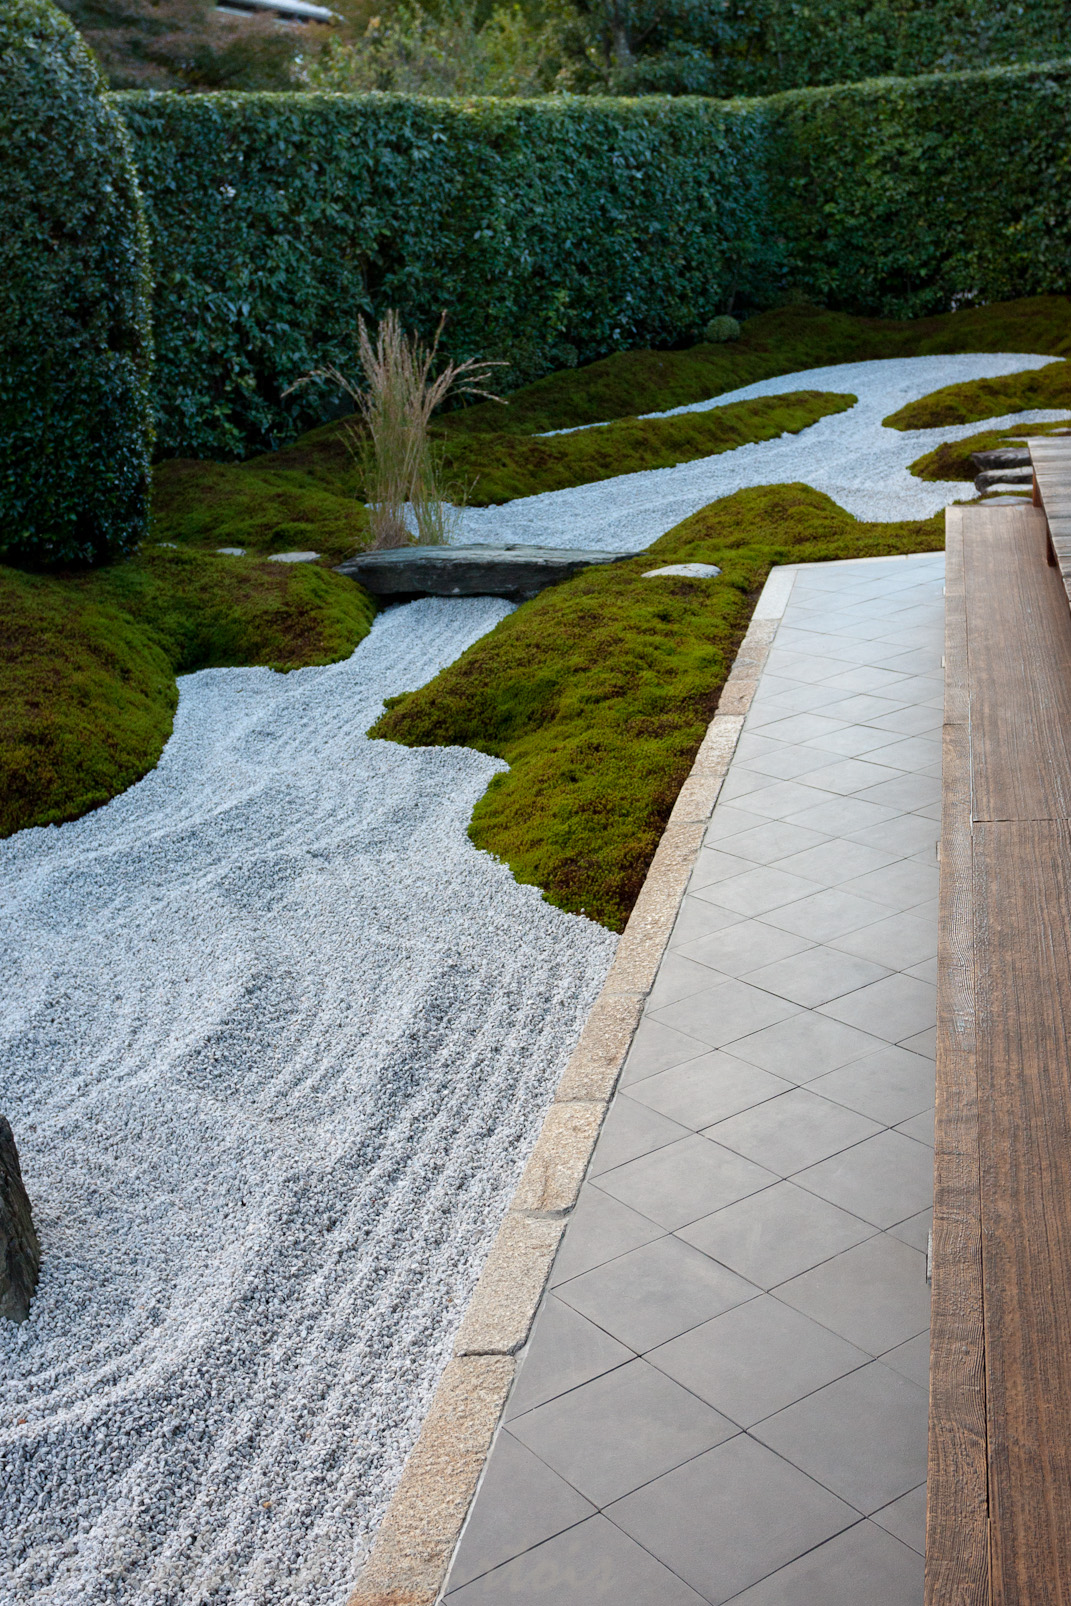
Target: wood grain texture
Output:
[(957, 1562), (999, 1518), (1019, 652), (1022, 891)]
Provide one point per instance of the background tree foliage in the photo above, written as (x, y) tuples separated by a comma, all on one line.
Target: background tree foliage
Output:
[(533, 47)]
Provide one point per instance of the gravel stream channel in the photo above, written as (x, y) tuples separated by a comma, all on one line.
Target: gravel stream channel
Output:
[(275, 1040)]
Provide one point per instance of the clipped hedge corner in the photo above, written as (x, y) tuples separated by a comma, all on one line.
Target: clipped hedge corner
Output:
[(74, 304)]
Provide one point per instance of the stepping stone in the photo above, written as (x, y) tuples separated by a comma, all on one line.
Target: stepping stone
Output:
[(1001, 457), (687, 571), (20, 1251), (232, 551), (469, 571), (293, 557), (1006, 474)]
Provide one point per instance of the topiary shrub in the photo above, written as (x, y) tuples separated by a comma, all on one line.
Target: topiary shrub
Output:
[(74, 304), (720, 329)]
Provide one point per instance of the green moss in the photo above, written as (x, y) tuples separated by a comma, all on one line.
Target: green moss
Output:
[(987, 398), (597, 693), (500, 467), (260, 506), (88, 662), (784, 341)]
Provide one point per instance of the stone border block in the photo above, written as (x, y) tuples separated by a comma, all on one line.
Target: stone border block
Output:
[(511, 1284)]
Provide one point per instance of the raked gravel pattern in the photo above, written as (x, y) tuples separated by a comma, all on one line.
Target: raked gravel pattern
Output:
[(275, 1041), (850, 456)]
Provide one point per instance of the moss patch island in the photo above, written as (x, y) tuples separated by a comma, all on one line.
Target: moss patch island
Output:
[(88, 662), (598, 692), (987, 398)]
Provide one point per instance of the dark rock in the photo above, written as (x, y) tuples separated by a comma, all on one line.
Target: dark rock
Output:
[(1004, 476), (20, 1251), (469, 571), (1002, 457)]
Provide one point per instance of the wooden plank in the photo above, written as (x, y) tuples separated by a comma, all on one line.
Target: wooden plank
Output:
[(1022, 936), (1019, 646), (957, 1563)]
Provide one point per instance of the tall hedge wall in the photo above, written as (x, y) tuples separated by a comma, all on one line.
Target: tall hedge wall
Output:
[(74, 303), (537, 225), (898, 196), (562, 229)]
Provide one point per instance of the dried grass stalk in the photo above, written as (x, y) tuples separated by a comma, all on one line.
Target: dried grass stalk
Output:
[(402, 469)]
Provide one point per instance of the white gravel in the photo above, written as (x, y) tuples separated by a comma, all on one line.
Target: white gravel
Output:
[(850, 456), (275, 1039)]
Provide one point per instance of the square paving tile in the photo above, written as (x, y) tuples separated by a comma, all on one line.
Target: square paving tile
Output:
[(863, 1436), (815, 976), (832, 862), (620, 1431), (678, 977), (875, 1295), (805, 1046), (899, 941), (825, 915), (755, 1360), (902, 884), (920, 1127), (699, 919), (727, 821), (907, 834), (631, 1129), (773, 840), (906, 1519), (889, 1086), (521, 1502), (846, 776), (726, 1011), (730, 1517), (915, 1230), (708, 1089), (599, 1229), (792, 1131), (895, 1008), (714, 864), (840, 816), (884, 1179), (743, 947), (776, 1234), (655, 1292), (757, 890), (685, 1180), (656, 1047), (564, 1350), (911, 1360), (906, 792), (863, 1566), (594, 1564)]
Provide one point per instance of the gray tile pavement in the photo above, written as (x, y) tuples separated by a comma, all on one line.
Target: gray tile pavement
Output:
[(724, 1394)]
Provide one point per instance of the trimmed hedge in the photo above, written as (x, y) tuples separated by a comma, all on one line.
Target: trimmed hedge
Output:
[(551, 232), (560, 230), (74, 304), (904, 197)]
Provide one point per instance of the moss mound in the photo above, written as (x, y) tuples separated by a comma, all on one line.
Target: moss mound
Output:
[(261, 506), (987, 398), (598, 692), (952, 459), (88, 662), (784, 341)]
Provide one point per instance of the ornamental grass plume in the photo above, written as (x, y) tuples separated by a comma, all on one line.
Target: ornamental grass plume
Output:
[(401, 467)]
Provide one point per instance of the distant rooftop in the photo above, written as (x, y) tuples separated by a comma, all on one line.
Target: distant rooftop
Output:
[(285, 10)]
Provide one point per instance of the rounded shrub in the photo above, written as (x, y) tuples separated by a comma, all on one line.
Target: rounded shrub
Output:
[(720, 329), (74, 304)]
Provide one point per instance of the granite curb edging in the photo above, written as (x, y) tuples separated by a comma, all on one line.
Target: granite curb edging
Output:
[(416, 1539)]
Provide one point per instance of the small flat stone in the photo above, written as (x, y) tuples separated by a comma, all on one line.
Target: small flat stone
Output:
[(686, 571), (167, 543), (293, 557), (232, 551), (1009, 474), (1005, 488)]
